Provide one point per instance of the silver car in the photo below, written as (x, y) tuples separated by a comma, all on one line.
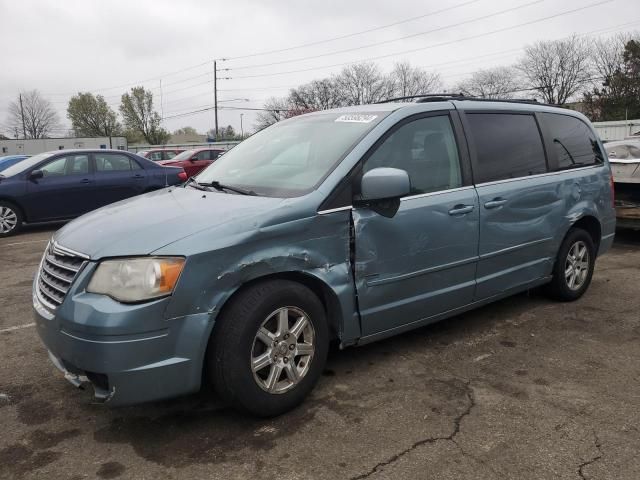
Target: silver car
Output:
[(624, 157)]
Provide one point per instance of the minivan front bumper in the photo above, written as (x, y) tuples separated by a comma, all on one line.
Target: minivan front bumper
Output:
[(129, 353)]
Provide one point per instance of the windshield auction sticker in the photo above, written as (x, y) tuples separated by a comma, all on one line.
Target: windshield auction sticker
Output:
[(356, 118)]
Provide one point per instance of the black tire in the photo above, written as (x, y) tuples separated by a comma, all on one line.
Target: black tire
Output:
[(233, 346), (9, 213), (560, 288)]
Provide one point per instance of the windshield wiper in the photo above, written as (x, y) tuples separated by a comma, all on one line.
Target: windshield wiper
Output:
[(194, 183), (219, 186)]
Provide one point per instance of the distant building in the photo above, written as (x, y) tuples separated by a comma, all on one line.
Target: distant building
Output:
[(617, 130), (40, 145), (186, 138)]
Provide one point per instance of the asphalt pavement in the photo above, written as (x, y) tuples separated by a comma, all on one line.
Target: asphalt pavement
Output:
[(526, 388)]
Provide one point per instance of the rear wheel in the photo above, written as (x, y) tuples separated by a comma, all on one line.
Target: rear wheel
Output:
[(269, 347), (10, 219), (574, 266)]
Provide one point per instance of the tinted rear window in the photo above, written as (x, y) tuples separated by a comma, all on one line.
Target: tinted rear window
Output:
[(574, 142), (507, 146)]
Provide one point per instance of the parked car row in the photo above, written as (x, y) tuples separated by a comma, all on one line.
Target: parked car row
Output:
[(64, 184), (195, 160), (347, 225), (158, 154)]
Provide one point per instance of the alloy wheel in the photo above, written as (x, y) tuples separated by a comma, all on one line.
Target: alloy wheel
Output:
[(576, 266), (8, 219), (282, 350)]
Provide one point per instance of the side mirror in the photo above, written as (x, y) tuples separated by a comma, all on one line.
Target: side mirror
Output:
[(36, 174), (385, 184), (193, 159)]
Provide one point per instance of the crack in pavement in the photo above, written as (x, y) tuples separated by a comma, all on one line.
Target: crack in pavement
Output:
[(583, 465), (430, 440)]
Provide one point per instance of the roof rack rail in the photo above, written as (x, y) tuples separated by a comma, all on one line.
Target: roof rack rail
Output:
[(427, 97), (440, 97), (503, 100)]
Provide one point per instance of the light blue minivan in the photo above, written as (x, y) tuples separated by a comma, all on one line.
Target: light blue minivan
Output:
[(347, 225)]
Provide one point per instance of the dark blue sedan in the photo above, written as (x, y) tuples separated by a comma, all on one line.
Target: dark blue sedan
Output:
[(64, 184)]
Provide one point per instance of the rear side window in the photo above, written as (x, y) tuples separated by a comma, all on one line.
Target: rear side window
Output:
[(114, 163), (204, 155), (507, 146), (574, 142)]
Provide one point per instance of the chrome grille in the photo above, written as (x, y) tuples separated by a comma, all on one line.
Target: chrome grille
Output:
[(58, 269)]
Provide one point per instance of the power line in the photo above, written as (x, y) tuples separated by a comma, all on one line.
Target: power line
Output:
[(599, 31), (348, 35), (208, 62), (175, 72), (429, 66), (460, 60), (207, 109), (384, 42), (471, 37)]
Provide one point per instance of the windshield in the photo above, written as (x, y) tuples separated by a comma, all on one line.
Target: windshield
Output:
[(186, 155), (292, 157), (26, 164)]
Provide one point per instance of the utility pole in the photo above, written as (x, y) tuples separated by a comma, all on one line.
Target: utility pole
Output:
[(241, 128), (24, 129), (161, 102), (215, 96)]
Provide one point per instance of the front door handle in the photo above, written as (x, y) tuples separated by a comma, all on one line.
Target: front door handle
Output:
[(461, 209), (138, 176), (85, 180), (495, 203)]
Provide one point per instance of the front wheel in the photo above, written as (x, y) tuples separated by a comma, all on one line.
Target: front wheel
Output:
[(269, 347), (574, 266), (10, 219)]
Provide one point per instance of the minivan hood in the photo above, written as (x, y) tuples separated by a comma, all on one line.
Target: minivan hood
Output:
[(143, 224)]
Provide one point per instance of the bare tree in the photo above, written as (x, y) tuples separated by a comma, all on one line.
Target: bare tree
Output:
[(607, 56), (557, 70), (407, 80), (275, 109), (499, 82), (363, 83), (316, 95), (34, 118)]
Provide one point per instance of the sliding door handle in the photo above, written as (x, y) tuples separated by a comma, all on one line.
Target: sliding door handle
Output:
[(461, 209), (495, 203)]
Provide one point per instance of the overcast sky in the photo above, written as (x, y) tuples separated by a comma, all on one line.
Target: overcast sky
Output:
[(65, 46)]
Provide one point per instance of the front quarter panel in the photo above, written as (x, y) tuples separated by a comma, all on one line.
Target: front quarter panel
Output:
[(317, 246)]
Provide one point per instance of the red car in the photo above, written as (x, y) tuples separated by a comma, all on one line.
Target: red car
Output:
[(158, 154), (194, 161)]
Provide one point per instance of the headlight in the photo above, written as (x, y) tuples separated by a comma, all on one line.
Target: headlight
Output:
[(136, 279)]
